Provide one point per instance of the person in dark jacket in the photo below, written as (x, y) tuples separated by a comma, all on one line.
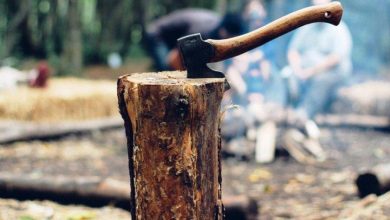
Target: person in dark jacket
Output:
[(160, 39)]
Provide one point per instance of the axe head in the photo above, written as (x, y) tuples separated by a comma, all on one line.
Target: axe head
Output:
[(196, 53)]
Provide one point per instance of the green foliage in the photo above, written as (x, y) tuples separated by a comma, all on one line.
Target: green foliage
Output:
[(49, 29)]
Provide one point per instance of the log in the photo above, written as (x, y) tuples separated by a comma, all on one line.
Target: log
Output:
[(354, 120), (96, 191), (172, 128), (12, 131), (87, 190), (293, 141), (266, 142), (365, 98), (82, 186), (240, 207), (375, 181)]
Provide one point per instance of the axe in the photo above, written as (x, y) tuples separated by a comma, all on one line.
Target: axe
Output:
[(196, 52)]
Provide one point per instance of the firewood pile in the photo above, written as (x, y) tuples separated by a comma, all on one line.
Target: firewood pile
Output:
[(66, 99), (267, 141)]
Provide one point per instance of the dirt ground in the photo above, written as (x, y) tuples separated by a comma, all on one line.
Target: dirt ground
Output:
[(36, 210), (284, 189)]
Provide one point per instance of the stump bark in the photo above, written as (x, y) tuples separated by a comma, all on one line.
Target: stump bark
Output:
[(173, 134)]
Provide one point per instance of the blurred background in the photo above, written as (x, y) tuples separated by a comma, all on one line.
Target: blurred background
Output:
[(60, 125), (72, 35)]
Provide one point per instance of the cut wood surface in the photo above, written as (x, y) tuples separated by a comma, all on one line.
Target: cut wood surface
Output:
[(172, 128)]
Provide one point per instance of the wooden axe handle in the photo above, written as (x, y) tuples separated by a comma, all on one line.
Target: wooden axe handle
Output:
[(227, 48)]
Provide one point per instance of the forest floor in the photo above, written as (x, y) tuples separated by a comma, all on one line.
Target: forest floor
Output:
[(284, 189)]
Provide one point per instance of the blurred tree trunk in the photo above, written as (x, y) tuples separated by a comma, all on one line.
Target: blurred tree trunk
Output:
[(126, 22), (15, 21), (221, 6), (108, 10), (51, 36), (57, 30), (140, 9), (117, 23), (73, 42)]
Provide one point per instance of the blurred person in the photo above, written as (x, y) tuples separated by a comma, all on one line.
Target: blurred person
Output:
[(114, 60), (272, 83), (160, 40), (256, 86), (319, 58), (37, 78), (257, 90), (253, 77), (11, 77), (236, 121), (249, 75), (42, 75), (244, 78), (254, 14)]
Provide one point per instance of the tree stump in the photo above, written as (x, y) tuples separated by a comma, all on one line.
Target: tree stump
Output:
[(173, 134)]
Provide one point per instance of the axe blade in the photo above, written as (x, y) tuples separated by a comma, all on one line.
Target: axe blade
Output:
[(196, 53)]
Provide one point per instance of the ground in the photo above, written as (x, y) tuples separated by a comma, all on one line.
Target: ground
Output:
[(284, 189), (33, 210)]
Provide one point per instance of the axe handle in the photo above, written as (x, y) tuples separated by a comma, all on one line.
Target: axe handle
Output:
[(227, 48)]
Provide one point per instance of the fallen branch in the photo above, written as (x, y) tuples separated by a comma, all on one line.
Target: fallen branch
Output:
[(96, 192), (83, 186), (92, 191), (11, 131), (293, 142), (354, 120), (240, 207)]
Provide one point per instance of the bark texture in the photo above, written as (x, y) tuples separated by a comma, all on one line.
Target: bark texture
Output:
[(172, 127)]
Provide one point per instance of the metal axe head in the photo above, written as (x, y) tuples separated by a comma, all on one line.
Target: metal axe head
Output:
[(196, 53)]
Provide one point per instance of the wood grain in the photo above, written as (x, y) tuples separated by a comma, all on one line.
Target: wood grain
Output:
[(172, 127), (227, 48)]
